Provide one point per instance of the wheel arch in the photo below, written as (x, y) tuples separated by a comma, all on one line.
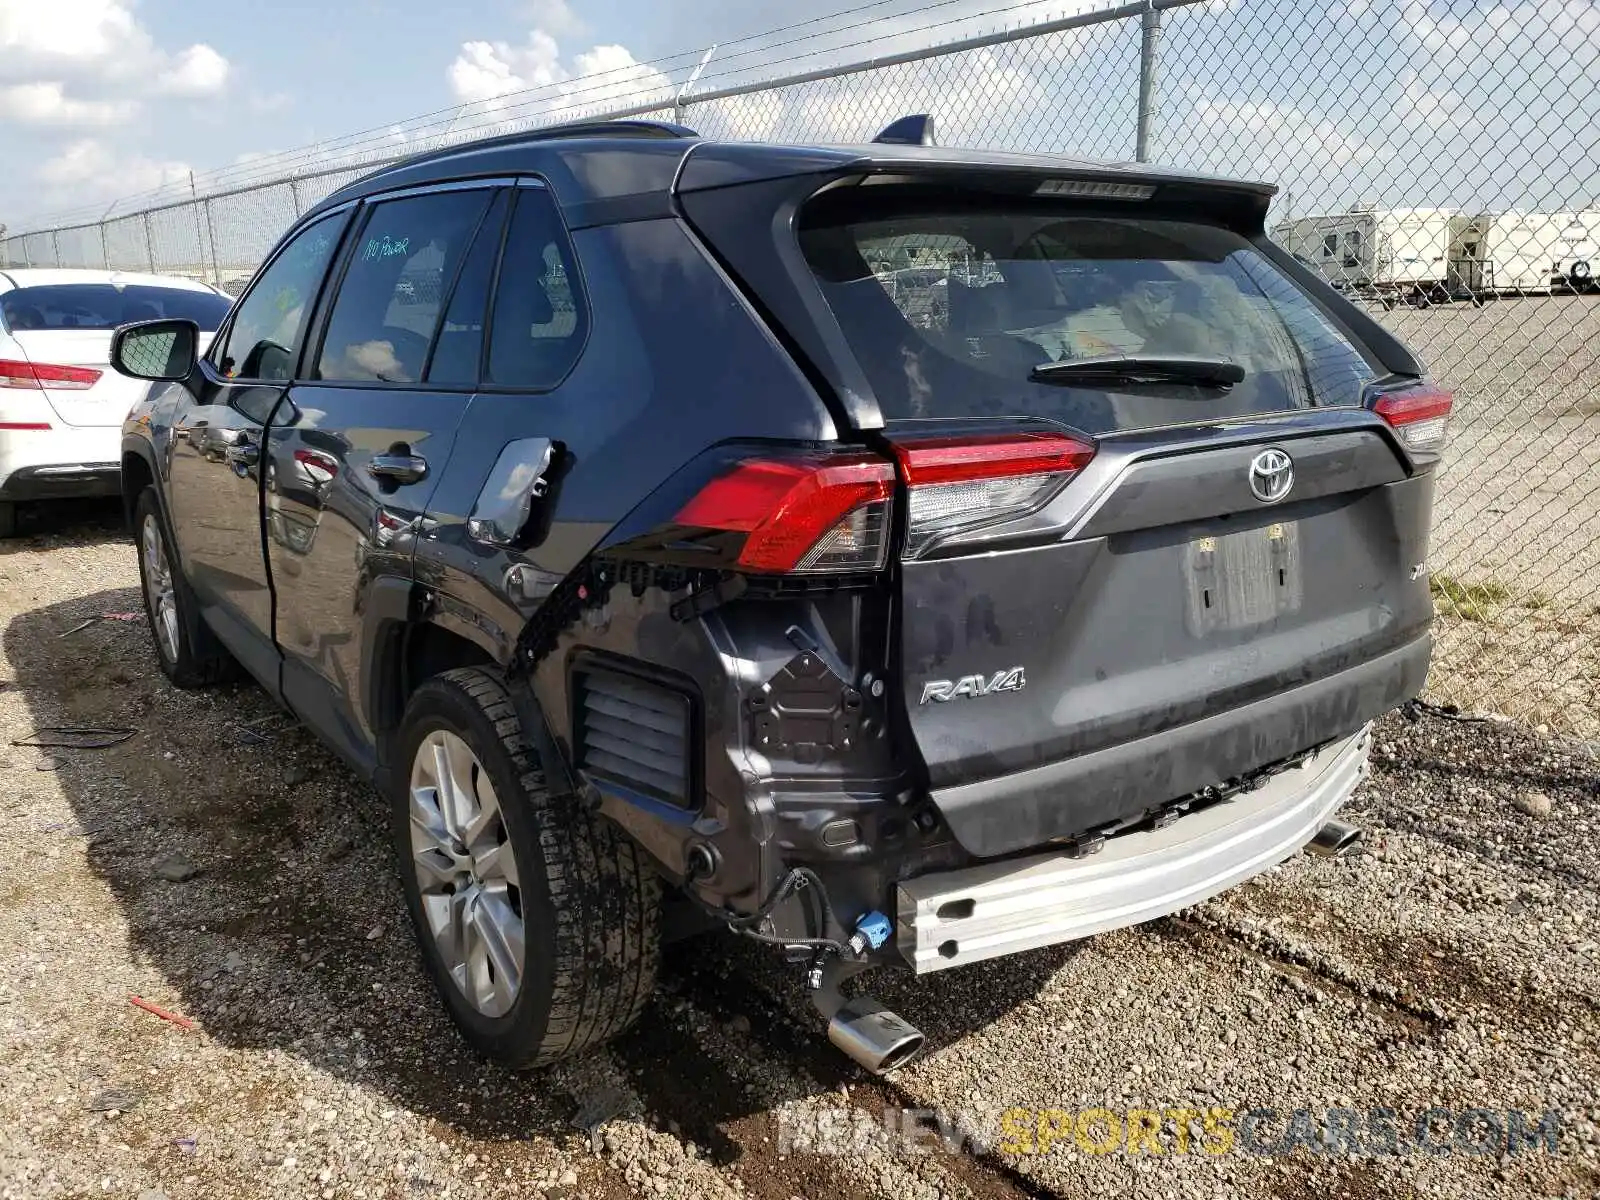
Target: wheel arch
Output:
[(138, 473), (412, 639)]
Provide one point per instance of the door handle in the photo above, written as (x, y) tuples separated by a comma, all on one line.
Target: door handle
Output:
[(243, 454), (398, 468)]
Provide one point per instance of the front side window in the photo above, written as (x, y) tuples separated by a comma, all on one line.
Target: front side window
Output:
[(403, 260), (953, 313), (264, 339), (540, 318)]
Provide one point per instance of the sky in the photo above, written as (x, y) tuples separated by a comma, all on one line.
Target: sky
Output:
[(1472, 103)]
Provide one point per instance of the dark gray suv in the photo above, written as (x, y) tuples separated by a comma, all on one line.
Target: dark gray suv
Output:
[(897, 555)]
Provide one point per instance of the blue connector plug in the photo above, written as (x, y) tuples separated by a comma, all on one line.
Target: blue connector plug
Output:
[(872, 931)]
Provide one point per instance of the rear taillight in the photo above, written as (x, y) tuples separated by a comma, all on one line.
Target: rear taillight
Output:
[(1420, 416), (817, 513), (959, 486), (15, 374)]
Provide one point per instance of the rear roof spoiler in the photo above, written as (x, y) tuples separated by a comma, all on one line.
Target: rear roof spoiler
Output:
[(1239, 204)]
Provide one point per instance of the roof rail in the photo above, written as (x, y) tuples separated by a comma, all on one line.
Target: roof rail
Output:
[(549, 133), (621, 128)]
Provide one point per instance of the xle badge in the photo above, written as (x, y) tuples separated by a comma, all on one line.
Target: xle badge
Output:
[(941, 690)]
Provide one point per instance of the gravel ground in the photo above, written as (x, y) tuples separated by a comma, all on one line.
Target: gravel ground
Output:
[(1454, 962)]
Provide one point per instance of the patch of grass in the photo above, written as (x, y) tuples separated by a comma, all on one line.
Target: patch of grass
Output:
[(1469, 601)]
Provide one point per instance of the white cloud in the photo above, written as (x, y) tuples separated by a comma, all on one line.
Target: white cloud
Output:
[(48, 104), (1267, 133), (981, 97), (198, 71), (67, 30), (1431, 104), (89, 63), (486, 78), (88, 170), (484, 70), (1539, 26), (554, 16)]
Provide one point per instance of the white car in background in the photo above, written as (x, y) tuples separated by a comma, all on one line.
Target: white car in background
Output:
[(61, 404)]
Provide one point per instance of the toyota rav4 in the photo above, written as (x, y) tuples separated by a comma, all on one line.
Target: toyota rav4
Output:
[(897, 555)]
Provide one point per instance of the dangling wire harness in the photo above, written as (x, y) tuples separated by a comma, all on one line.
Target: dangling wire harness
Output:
[(746, 924)]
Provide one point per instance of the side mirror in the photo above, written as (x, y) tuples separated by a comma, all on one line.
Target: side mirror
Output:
[(164, 351)]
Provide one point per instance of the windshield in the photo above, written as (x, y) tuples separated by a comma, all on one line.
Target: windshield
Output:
[(106, 306), (949, 312)]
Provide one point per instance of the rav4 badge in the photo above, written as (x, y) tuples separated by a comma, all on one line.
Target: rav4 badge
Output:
[(942, 690)]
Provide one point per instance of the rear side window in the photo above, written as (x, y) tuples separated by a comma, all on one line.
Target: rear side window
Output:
[(107, 305), (459, 345), (388, 304), (263, 340), (540, 319), (949, 312)]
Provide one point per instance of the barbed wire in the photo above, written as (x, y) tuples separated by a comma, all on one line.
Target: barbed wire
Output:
[(759, 58)]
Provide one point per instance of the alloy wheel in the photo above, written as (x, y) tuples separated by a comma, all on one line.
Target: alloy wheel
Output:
[(158, 589), (467, 873)]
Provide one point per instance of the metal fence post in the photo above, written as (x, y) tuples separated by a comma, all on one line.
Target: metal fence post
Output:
[(55, 242), (211, 238), (149, 244), (681, 101), (1149, 39), (199, 232), (294, 197), (105, 247)]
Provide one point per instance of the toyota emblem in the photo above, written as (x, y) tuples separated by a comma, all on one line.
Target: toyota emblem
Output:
[(1271, 476)]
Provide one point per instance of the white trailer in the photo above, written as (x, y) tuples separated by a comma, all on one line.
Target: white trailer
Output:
[(1389, 253), (1527, 252)]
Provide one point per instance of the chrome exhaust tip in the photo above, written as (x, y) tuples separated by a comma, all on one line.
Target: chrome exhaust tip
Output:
[(1333, 839), (873, 1036)]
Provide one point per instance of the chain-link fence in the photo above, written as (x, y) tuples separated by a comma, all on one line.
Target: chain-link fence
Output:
[(1438, 161)]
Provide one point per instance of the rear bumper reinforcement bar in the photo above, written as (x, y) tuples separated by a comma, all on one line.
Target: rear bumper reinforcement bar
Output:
[(1024, 903)]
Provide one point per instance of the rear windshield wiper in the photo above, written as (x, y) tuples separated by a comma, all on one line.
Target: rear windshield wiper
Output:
[(1141, 368)]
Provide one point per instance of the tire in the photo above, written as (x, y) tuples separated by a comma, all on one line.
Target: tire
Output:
[(585, 904), (8, 519), (189, 653)]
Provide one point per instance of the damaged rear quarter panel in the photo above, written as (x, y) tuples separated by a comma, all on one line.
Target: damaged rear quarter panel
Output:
[(676, 363)]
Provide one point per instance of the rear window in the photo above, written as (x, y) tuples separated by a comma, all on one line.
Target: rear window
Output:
[(949, 311), (105, 306)]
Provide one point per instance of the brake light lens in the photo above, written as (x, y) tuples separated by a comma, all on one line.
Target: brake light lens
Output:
[(807, 514), (35, 376), (1420, 416), (959, 486)]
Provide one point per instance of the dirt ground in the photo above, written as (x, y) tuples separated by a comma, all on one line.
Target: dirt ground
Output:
[(219, 864)]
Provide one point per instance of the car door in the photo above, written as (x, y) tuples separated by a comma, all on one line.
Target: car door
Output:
[(213, 490), (365, 432)]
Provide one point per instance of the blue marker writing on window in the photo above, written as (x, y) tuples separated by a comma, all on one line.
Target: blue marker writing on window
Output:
[(384, 247)]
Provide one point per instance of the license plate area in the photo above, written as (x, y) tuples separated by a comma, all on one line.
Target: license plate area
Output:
[(1242, 579)]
